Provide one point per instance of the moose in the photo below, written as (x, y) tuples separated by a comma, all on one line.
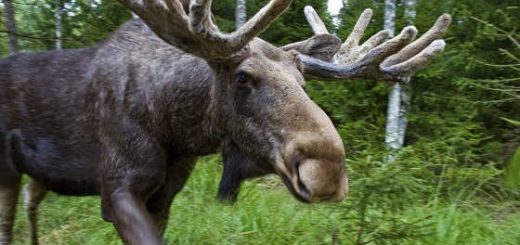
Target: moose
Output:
[(127, 118)]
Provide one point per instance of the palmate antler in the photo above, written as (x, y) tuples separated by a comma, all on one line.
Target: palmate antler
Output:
[(195, 32), (392, 60)]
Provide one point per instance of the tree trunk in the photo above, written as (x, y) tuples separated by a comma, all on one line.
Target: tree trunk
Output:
[(11, 26), (240, 14), (58, 21), (334, 8), (389, 23), (406, 88), (392, 117), (399, 99)]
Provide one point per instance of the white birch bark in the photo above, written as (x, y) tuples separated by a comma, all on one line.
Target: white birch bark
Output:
[(406, 88), (389, 23), (240, 14), (392, 117), (11, 27), (59, 25), (399, 99), (334, 8)]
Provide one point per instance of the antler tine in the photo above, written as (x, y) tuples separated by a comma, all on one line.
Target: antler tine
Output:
[(258, 23), (176, 7), (171, 10), (419, 61), (391, 46), (315, 21), (350, 51), (200, 18), (435, 32), (374, 41), (358, 30)]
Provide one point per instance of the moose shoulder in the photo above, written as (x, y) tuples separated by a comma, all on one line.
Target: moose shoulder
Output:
[(127, 118)]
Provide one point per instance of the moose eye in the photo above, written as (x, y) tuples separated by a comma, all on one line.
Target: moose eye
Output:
[(241, 77)]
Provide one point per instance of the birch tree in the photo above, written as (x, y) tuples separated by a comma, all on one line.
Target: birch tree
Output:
[(392, 119), (334, 8), (399, 99), (406, 89), (240, 14), (11, 27), (59, 24)]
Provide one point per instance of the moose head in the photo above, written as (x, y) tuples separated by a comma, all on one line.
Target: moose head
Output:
[(351, 60)]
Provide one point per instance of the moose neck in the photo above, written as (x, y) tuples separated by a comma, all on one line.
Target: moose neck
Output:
[(169, 92), (192, 113)]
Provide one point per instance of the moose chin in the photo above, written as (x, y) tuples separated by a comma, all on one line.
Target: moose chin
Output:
[(127, 118)]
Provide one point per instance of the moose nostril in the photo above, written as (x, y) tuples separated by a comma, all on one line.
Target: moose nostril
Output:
[(304, 191)]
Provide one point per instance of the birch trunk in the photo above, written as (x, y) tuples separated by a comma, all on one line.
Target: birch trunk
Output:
[(11, 27), (399, 99), (389, 23), (240, 14), (406, 88), (392, 117), (334, 8), (58, 23)]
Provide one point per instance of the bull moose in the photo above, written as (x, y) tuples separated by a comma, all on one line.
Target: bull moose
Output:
[(127, 118)]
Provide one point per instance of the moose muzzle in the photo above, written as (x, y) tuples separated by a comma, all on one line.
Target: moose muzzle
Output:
[(313, 164)]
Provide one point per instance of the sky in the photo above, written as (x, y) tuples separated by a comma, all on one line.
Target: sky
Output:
[(333, 6)]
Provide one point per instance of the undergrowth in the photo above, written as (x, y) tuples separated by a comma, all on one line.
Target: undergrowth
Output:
[(396, 203)]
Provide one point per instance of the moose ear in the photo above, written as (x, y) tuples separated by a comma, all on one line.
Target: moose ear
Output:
[(321, 46), (237, 167)]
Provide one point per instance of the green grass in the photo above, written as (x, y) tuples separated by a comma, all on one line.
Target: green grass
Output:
[(267, 214)]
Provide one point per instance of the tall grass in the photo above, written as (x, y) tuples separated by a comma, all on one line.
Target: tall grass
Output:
[(267, 214)]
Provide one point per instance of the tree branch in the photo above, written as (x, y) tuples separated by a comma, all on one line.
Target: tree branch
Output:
[(30, 36)]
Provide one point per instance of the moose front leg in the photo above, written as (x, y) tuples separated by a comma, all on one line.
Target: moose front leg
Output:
[(134, 167), (131, 219), (159, 203)]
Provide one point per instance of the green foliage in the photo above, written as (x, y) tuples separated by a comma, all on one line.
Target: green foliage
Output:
[(513, 170), (3, 36), (85, 22)]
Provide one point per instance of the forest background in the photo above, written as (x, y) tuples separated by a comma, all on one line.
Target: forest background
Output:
[(455, 181)]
